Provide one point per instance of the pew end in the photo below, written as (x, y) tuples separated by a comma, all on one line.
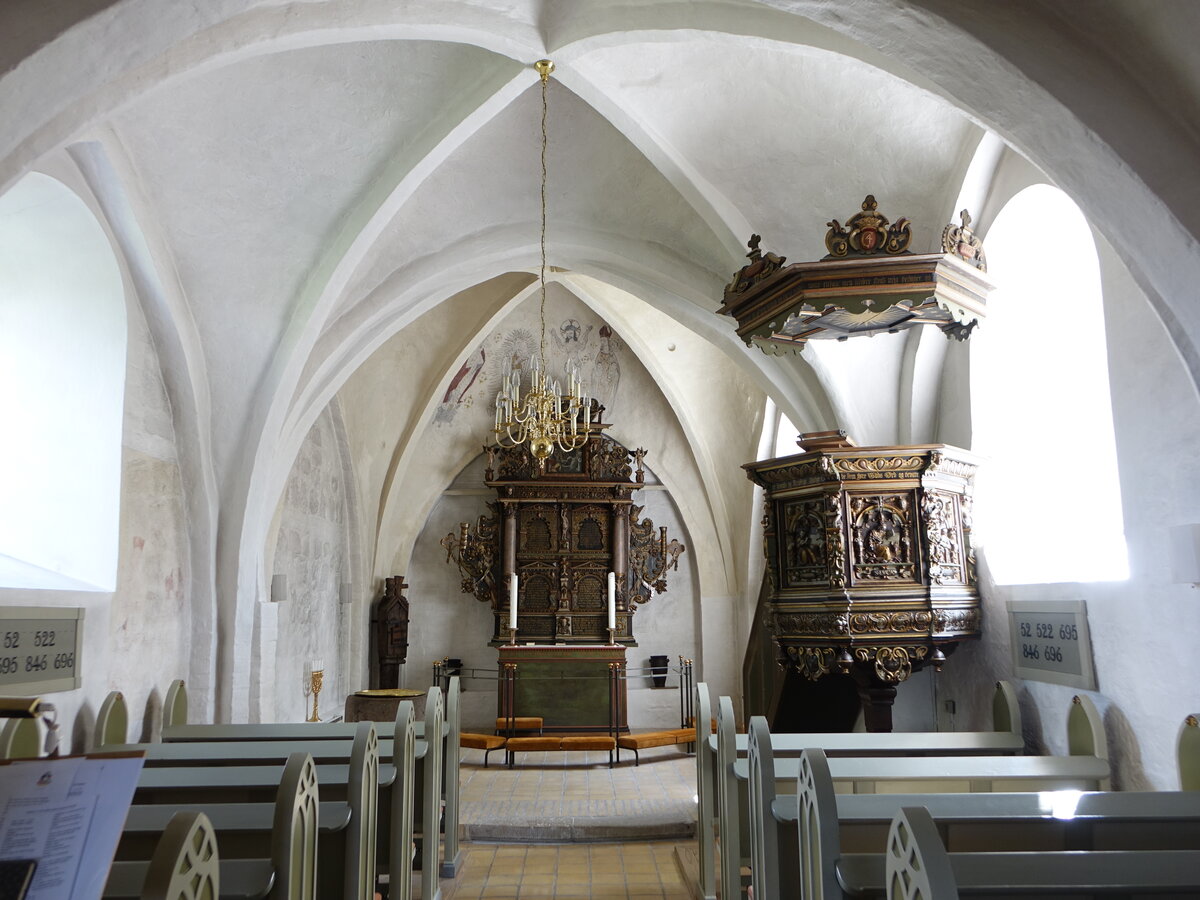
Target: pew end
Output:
[(1085, 732), (175, 704), (1188, 754), (112, 722), (185, 865), (917, 865), (1006, 710), (20, 739)]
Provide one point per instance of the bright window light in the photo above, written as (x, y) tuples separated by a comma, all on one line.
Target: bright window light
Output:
[(62, 391), (1048, 500)]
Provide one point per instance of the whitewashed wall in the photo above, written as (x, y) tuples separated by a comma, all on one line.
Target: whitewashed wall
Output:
[(1143, 629), (313, 553)]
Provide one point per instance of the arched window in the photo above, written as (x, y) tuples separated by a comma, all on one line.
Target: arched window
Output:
[(1048, 500), (62, 380)]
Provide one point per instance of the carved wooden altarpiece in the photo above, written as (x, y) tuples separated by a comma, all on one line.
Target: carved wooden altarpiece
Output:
[(562, 531), (870, 561)]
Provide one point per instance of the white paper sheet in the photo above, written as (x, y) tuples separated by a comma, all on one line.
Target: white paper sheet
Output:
[(67, 814)]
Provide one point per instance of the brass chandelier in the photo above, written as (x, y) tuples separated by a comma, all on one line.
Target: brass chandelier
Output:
[(544, 417)]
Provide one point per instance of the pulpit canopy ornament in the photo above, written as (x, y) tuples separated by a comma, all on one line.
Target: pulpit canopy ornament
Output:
[(869, 283)]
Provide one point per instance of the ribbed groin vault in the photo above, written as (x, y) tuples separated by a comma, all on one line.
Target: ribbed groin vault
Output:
[(324, 221)]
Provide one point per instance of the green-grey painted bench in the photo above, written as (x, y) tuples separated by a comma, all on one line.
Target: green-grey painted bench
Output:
[(843, 826), (917, 866), (398, 822), (284, 833), (349, 869), (765, 774), (186, 866), (717, 785), (180, 732)]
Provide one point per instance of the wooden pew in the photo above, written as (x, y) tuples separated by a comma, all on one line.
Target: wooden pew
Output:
[(286, 830), (186, 866), (20, 739), (112, 722), (832, 833), (175, 705), (917, 865), (176, 777), (726, 746), (398, 794), (1187, 754), (706, 794), (289, 731)]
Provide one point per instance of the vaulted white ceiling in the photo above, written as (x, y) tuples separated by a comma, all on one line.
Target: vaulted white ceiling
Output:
[(296, 184)]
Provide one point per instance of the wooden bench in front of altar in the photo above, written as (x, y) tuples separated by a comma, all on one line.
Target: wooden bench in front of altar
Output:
[(1006, 738), (305, 731), (577, 688), (266, 848)]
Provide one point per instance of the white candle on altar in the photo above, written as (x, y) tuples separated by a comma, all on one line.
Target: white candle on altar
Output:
[(612, 600), (512, 602)]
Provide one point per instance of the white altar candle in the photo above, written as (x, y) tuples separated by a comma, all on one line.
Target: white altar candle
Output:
[(612, 600), (512, 602)]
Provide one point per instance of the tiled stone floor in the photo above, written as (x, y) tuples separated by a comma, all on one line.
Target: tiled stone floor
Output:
[(601, 870), (575, 796), (565, 825)]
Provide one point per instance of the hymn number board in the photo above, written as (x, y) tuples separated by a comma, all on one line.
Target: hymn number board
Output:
[(1050, 642), (40, 649)]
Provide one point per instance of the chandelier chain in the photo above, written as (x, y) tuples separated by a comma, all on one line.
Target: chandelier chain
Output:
[(542, 276)]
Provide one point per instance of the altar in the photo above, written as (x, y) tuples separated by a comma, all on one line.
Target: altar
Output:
[(573, 687)]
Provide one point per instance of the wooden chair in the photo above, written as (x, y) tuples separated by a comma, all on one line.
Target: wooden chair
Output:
[(112, 722)]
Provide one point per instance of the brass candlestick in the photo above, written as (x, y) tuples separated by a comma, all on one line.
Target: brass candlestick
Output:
[(512, 637), (612, 636), (317, 678)]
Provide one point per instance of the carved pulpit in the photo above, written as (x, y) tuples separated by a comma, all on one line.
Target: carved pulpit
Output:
[(870, 563), (389, 632)]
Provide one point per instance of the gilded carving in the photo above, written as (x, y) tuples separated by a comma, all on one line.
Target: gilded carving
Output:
[(956, 620), (759, 268), (882, 534), (651, 557), (803, 541), (812, 662), (905, 622), (892, 665), (941, 538), (964, 243), (475, 554), (942, 464), (835, 544), (878, 466), (867, 233), (826, 624)]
